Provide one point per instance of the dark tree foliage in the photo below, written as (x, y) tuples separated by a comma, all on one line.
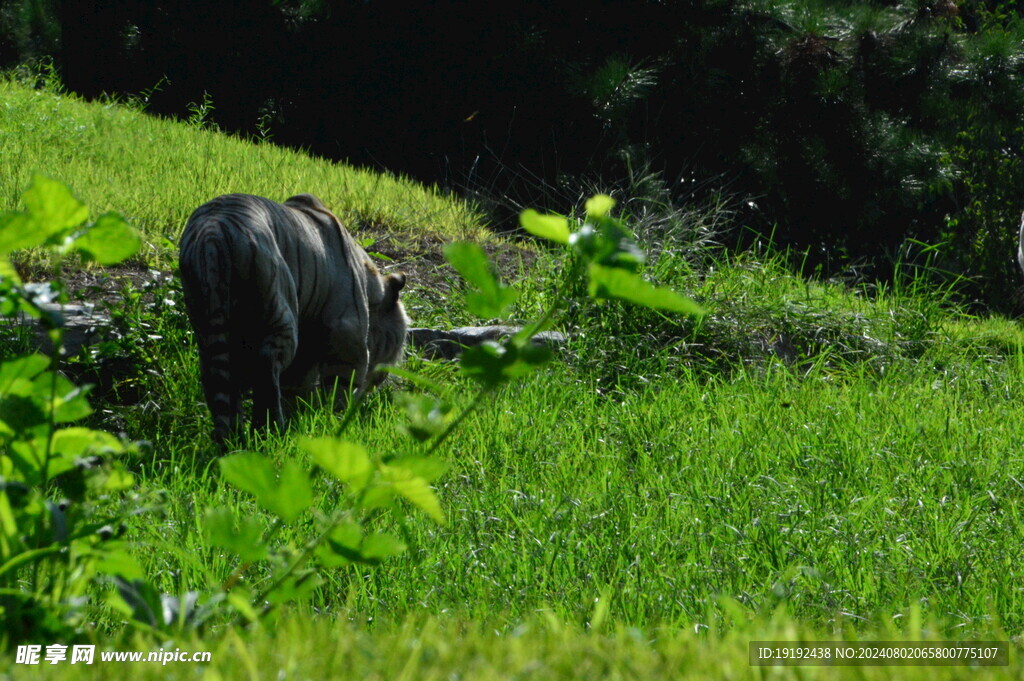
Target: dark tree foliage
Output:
[(855, 126)]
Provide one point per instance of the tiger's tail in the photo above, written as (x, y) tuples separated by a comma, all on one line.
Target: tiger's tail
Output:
[(205, 264)]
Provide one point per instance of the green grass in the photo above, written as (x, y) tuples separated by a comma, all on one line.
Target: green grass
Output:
[(156, 171), (539, 647), (808, 461), (847, 493)]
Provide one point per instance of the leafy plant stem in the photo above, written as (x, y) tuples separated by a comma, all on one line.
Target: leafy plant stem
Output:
[(527, 333), (239, 572), (484, 392), (307, 551)]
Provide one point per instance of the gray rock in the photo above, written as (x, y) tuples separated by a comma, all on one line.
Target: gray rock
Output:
[(439, 344), (82, 325)]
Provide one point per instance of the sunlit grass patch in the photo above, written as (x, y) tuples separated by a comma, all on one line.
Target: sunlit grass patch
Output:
[(437, 646)]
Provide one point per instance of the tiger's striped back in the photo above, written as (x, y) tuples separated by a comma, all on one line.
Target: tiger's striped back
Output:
[(281, 298)]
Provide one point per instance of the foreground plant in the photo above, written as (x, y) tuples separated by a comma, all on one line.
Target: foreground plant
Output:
[(57, 533), (59, 550), (602, 250)]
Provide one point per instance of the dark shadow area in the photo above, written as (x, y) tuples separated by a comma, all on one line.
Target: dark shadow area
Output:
[(854, 129)]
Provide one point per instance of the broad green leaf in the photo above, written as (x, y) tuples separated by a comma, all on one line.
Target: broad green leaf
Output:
[(255, 474), (591, 243), (117, 561), (8, 522), (30, 458), (17, 230), (244, 537), (295, 493), (612, 282), (109, 240), (69, 445), (379, 546), (494, 363), (74, 481), (21, 413), (485, 363), (626, 255), (470, 261), (61, 453), (249, 472), (531, 356), (22, 369), (9, 275), (68, 400), (488, 305), (346, 461), (341, 546), (430, 468), (22, 387), (599, 205), (78, 442), (552, 227), (347, 534), (491, 297), (52, 208), (115, 479), (415, 490), (377, 496)]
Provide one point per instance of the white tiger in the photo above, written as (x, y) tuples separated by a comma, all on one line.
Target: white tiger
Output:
[(1020, 245), (281, 297)]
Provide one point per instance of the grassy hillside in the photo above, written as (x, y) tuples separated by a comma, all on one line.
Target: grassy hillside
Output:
[(806, 461), (155, 171)]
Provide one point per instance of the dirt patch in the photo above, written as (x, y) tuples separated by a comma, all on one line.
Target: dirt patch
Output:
[(95, 284), (422, 260), (433, 278), (108, 285)]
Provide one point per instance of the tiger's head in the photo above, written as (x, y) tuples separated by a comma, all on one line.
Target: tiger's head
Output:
[(388, 322)]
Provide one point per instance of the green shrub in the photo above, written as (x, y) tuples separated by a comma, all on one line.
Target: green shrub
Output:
[(58, 525)]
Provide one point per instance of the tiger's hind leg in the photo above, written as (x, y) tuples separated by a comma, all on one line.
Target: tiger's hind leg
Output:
[(299, 381), (266, 403), (222, 396)]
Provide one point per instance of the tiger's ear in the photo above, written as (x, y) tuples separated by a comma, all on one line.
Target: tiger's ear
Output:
[(393, 283)]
